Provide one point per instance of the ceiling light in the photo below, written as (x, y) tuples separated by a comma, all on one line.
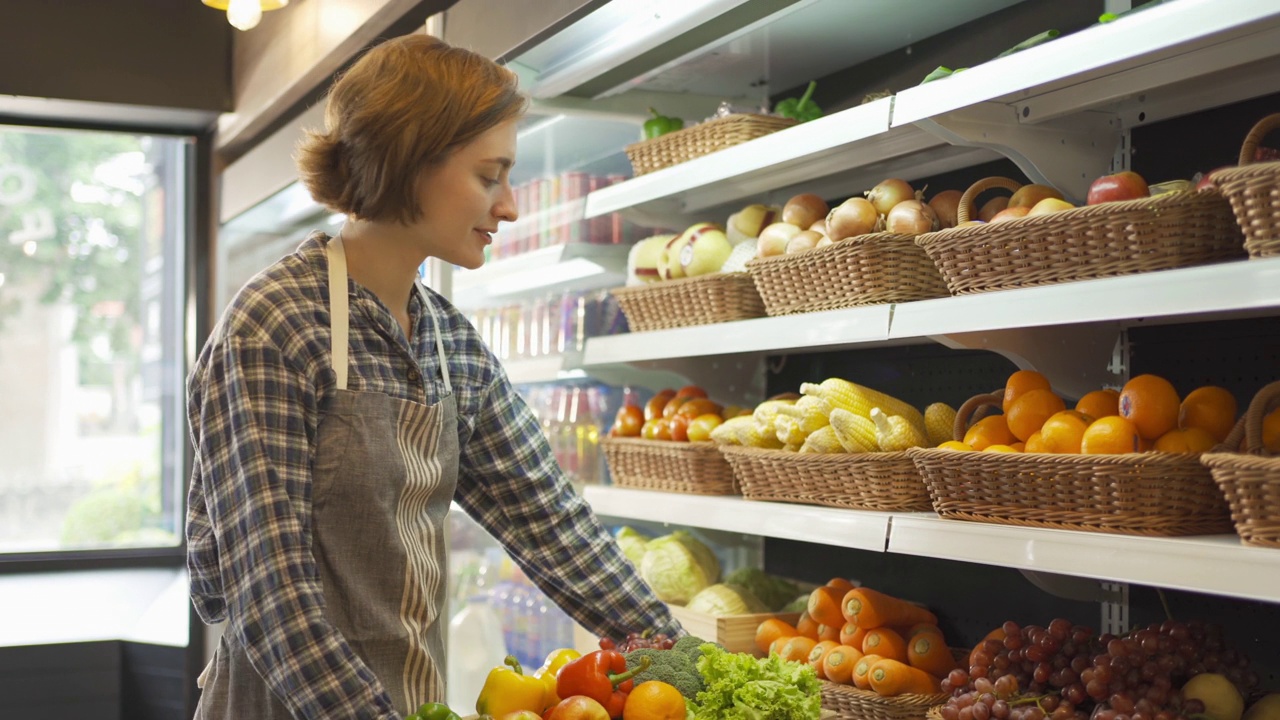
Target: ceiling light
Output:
[(245, 14)]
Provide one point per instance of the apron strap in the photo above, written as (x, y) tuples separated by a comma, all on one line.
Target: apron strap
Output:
[(339, 312), (435, 325)]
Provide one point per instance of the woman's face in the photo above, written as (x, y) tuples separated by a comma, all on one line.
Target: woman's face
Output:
[(464, 198)]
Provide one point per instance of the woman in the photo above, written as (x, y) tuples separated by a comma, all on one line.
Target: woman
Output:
[(339, 406)]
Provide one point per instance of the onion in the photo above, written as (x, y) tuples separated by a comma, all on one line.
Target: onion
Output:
[(802, 210), (819, 226), (853, 217), (992, 206), (946, 205), (911, 217), (806, 240), (889, 193), (774, 239)]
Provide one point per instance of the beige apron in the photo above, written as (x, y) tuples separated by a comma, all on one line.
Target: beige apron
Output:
[(383, 478)]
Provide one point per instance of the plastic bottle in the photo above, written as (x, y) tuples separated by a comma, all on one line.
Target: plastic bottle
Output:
[(475, 647)]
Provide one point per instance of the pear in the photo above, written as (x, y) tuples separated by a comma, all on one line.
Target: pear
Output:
[(1221, 699), (704, 250), (645, 256)]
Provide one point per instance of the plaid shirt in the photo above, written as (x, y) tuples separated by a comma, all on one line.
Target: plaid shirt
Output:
[(255, 399)]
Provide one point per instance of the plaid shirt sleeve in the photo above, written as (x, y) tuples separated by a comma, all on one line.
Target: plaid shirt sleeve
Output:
[(252, 418), (511, 484)]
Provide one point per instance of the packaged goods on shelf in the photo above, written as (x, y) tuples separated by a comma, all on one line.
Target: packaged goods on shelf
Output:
[(552, 212), (551, 325)]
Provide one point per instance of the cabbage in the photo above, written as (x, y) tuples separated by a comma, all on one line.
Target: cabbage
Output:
[(726, 599), (678, 566), (632, 543), (774, 592)]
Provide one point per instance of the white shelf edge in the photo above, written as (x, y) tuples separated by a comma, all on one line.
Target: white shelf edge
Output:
[(1218, 564), (547, 368), (824, 330), (814, 139), (1243, 287), (861, 530), (1098, 51), (577, 266)]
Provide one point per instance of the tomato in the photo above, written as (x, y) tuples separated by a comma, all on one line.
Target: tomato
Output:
[(679, 428), (653, 408), (694, 407), (628, 422), (691, 391), (700, 427)]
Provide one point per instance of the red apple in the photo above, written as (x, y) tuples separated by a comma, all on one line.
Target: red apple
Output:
[(1127, 185), (1205, 180), (521, 715), (1011, 214), (578, 707)]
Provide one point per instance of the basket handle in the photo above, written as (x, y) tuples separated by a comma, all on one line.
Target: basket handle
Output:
[(967, 210), (1251, 141), (974, 409), (1249, 426)]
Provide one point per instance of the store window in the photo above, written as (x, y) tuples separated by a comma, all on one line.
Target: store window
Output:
[(92, 430)]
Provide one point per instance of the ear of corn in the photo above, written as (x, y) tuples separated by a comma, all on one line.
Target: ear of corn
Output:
[(939, 423), (895, 433), (859, 400), (767, 412), (789, 431), (854, 432), (822, 441), (743, 431)]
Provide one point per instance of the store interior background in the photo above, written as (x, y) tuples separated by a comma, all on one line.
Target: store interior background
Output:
[(177, 66)]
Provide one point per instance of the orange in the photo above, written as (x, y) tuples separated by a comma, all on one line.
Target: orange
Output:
[(654, 700), (988, 431), (1000, 449), (1100, 403), (1191, 440), (1021, 383), (955, 445), (797, 649), (1030, 410), (1035, 443), (1151, 404), (1063, 432), (1210, 408), (771, 630), (1110, 436), (1271, 431)]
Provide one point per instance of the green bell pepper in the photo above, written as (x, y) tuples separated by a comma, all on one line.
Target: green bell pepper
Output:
[(661, 125), (434, 711), (803, 109)]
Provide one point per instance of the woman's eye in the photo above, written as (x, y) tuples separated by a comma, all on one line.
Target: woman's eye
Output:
[(489, 182)]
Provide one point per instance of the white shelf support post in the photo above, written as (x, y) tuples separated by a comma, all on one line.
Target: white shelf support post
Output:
[(1115, 613), (1066, 156), (1076, 358)]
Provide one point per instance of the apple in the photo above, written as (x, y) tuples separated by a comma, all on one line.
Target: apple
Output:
[(669, 258), (578, 707), (1127, 185), (803, 240), (1028, 195), (1049, 205), (991, 207), (1011, 214), (520, 715), (804, 209), (774, 239), (704, 251), (1206, 179), (749, 221), (645, 257)]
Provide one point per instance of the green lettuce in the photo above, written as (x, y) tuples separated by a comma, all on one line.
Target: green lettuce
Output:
[(741, 687)]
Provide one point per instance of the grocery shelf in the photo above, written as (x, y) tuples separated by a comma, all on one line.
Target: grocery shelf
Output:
[(861, 530), (573, 266), (1219, 565), (547, 368)]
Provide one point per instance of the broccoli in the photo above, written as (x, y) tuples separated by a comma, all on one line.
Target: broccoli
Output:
[(674, 668), (692, 646)]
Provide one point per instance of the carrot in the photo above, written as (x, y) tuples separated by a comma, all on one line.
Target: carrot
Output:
[(819, 652), (872, 609), (807, 626), (851, 634), (997, 635), (775, 647), (797, 649), (824, 606), (771, 630), (828, 632), (919, 628), (862, 671), (838, 664), (890, 677), (840, 584), (885, 643), (929, 652)]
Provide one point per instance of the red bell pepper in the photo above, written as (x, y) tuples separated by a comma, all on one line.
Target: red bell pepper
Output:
[(602, 676)]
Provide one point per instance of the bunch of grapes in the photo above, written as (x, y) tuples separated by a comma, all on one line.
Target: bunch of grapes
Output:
[(636, 641), (1066, 672)]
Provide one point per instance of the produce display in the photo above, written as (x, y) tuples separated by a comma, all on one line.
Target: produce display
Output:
[(684, 415)]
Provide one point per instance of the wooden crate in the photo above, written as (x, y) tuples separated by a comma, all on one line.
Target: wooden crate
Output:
[(737, 633)]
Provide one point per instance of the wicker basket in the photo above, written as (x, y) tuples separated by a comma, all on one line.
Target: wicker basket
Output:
[(1254, 192), (690, 301), (701, 139), (861, 481), (1251, 480), (683, 467), (1120, 238), (865, 270), (1153, 494), (851, 703)]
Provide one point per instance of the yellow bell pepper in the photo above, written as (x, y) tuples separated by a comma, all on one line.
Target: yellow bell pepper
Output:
[(551, 669), (508, 689)]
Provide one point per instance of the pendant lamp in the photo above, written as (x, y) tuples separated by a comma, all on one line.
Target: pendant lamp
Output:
[(245, 14)]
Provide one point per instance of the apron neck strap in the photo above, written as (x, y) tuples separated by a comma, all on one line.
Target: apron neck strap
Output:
[(339, 316)]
